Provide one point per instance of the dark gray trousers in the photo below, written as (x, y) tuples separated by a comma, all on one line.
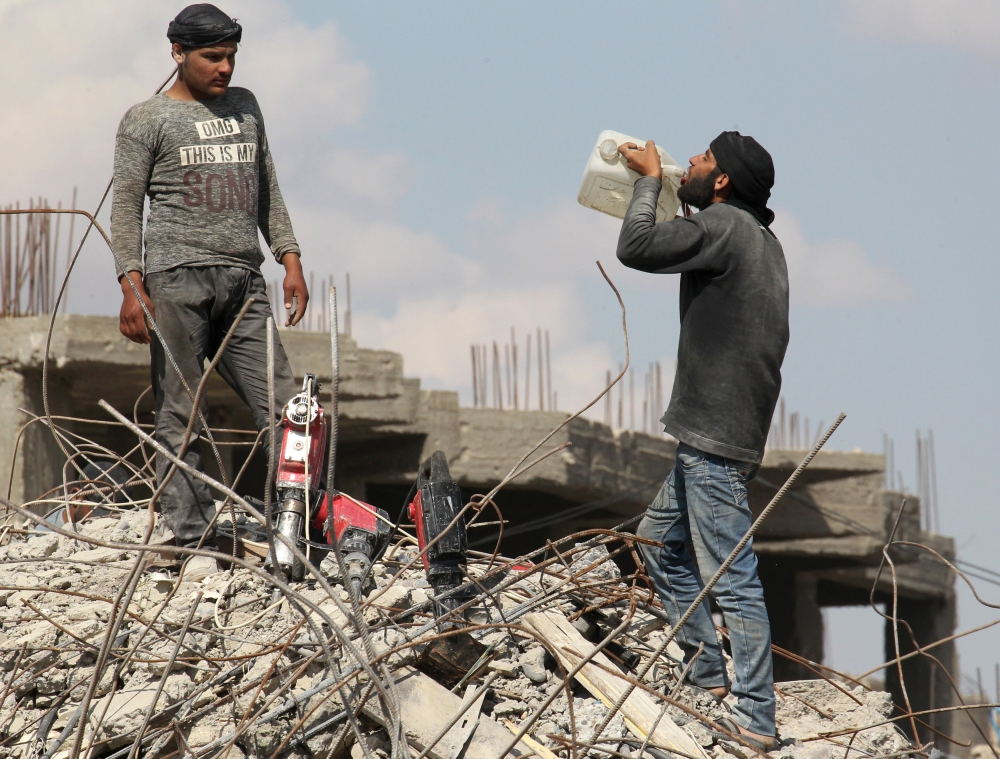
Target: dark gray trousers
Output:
[(194, 308)]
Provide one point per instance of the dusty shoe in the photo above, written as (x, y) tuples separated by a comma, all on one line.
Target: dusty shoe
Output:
[(702, 700), (762, 743), (719, 699), (198, 568)]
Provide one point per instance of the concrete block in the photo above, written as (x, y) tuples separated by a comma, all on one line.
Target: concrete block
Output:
[(505, 667), (532, 664), (100, 555)]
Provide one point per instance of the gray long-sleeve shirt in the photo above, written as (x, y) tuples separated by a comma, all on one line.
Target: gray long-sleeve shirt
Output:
[(734, 319), (207, 170)]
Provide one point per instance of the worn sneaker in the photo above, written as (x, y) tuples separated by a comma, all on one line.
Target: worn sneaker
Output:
[(762, 743), (197, 568)]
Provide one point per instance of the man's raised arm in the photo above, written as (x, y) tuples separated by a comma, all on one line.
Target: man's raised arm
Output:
[(666, 248)]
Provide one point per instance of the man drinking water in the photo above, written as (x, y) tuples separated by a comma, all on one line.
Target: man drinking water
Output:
[(734, 331)]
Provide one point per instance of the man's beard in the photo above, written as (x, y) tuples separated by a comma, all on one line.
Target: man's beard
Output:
[(699, 191)]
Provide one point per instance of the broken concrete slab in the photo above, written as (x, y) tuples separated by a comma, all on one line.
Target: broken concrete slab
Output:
[(639, 710), (426, 707)]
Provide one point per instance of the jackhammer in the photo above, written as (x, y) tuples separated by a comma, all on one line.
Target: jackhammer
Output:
[(359, 529), (436, 512), (444, 545)]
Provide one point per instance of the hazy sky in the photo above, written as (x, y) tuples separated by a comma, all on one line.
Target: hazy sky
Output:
[(434, 150)]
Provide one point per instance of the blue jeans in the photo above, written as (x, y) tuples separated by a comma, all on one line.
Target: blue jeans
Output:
[(704, 502)]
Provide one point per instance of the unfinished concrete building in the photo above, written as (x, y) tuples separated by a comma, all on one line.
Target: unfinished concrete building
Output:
[(821, 547)]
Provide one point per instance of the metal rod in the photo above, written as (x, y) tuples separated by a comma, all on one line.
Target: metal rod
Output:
[(348, 315), (475, 378), (548, 372), (527, 374), (331, 463), (506, 366), (513, 356), (541, 373)]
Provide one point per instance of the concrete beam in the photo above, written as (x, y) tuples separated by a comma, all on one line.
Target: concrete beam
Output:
[(857, 548), (598, 462), (85, 348), (918, 573), (827, 501), (855, 462)]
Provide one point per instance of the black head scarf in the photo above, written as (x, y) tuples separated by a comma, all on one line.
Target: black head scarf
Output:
[(750, 170), (202, 25)]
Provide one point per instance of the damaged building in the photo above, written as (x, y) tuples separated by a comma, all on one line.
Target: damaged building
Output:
[(822, 546)]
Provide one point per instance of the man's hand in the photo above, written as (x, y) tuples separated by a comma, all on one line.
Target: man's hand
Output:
[(644, 161), (295, 288), (132, 319)]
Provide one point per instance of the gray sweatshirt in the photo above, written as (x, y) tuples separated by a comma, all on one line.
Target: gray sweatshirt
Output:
[(734, 319), (211, 183)]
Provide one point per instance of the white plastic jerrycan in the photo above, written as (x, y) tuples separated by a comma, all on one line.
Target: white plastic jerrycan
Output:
[(607, 181)]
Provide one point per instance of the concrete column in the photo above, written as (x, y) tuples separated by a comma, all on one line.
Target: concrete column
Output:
[(808, 620), (30, 461), (927, 686), (439, 416), (795, 616)]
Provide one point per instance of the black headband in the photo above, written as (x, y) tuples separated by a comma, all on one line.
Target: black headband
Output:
[(750, 170), (202, 25)]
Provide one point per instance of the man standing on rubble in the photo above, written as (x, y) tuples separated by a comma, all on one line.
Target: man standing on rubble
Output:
[(199, 151), (734, 331)]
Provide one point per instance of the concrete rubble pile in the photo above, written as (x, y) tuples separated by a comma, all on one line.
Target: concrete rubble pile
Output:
[(227, 667)]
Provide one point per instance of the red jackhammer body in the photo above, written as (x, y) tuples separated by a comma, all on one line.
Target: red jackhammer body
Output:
[(358, 528), (360, 531)]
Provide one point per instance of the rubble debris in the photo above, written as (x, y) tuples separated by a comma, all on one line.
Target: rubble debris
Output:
[(248, 678), (808, 708), (604, 683)]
